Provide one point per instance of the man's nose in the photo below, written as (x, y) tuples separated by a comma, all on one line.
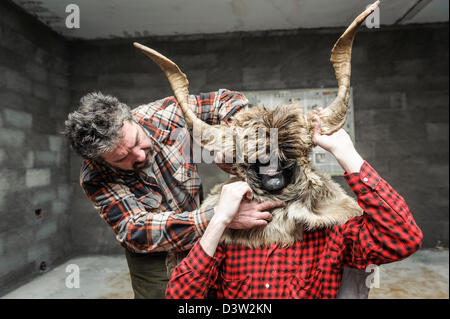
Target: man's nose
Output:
[(139, 155)]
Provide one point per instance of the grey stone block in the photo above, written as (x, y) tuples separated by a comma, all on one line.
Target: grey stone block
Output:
[(28, 159), (15, 81), (43, 195), (37, 177), (261, 78), (437, 131), (75, 165), (437, 151), (11, 137), (12, 261), (367, 133), (147, 80), (59, 207), (437, 232), (2, 156), (46, 159), (427, 99), (56, 143), (17, 119), (62, 98), (223, 77), (47, 230), (42, 123), (36, 72), (197, 81), (121, 80), (404, 132), (12, 179), (64, 192), (198, 61), (398, 100), (14, 41), (41, 91), (58, 80), (38, 253)]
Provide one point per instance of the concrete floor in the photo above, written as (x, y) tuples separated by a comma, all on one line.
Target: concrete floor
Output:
[(423, 275), (100, 277)]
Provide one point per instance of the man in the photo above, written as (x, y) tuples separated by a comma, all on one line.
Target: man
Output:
[(310, 268), (139, 174)]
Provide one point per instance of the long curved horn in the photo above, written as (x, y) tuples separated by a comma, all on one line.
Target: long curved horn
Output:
[(210, 135), (333, 117)]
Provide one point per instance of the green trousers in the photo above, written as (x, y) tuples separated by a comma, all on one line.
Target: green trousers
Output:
[(148, 274)]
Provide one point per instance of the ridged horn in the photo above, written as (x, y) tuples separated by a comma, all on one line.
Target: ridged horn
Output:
[(333, 117), (210, 135)]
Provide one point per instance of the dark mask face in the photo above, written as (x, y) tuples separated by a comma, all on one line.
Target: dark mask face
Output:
[(274, 178)]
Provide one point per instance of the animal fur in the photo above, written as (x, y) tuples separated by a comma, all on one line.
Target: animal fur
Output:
[(313, 200)]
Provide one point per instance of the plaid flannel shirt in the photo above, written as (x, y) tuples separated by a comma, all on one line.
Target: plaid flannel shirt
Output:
[(312, 268), (158, 210)]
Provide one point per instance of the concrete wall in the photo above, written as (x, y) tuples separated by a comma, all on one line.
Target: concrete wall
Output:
[(400, 85), (34, 98)]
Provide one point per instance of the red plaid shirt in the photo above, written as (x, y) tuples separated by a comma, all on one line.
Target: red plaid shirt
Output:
[(312, 268), (158, 210)]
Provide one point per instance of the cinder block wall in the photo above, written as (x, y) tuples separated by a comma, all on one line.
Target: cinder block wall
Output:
[(400, 85), (34, 171)]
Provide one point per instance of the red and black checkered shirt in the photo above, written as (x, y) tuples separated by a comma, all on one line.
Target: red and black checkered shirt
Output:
[(158, 209), (312, 268)]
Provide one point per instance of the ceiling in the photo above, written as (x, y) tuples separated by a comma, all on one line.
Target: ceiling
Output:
[(105, 19)]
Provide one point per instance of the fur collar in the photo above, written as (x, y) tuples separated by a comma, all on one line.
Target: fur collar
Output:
[(313, 201)]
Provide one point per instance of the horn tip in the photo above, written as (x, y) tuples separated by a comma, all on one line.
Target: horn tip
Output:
[(374, 5)]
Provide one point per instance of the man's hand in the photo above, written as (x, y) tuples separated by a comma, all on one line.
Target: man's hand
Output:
[(340, 145), (253, 214), (237, 211)]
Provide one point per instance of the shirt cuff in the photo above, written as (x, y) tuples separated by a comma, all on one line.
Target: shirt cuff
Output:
[(366, 180), (202, 218), (198, 260)]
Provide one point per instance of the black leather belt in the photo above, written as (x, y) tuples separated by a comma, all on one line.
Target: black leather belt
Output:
[(155, 254)]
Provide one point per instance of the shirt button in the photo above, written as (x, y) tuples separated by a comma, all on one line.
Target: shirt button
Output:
[(365, 179), (267, 285)]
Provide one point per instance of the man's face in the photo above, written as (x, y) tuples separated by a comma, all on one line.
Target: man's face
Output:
[(133, 150)]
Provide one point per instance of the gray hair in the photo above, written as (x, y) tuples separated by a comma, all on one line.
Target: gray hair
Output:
[(93, 129)]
